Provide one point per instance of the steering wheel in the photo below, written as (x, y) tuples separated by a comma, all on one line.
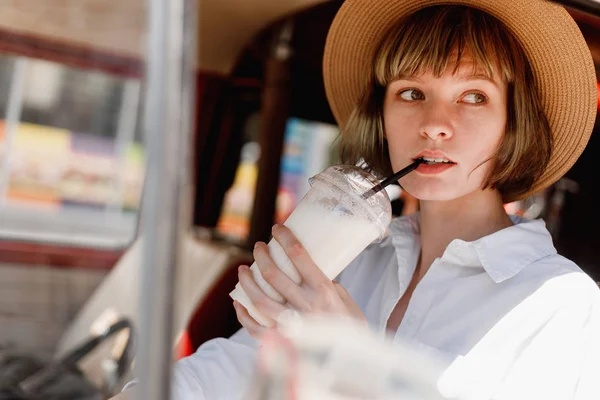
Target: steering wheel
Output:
[(33, 385)]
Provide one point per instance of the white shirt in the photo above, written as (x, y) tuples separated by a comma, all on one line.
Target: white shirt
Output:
[(511, 318)]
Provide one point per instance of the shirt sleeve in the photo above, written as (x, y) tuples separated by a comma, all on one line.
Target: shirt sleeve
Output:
[(562, 361), (220, 369), (588, 384)]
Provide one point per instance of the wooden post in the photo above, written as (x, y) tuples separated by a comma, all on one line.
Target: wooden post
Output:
[(274, 114)]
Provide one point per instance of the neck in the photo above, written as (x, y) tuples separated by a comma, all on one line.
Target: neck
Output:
[(467, 218)]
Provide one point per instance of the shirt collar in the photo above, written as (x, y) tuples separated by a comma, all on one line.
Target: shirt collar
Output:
[(502, 254)]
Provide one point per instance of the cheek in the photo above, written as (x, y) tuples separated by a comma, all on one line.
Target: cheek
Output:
[(483, 134), (396, 119), (401, 142), (395, 132), (399, 128)]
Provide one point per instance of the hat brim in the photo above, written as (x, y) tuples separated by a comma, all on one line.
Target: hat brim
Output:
[(560, 58)]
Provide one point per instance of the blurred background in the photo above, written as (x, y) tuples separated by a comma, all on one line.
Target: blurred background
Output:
[(73, 163)]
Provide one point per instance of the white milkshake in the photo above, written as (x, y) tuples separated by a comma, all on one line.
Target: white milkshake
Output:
[(333, 223)]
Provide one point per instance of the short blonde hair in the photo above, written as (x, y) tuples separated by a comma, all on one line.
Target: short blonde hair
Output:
[(429, 40)]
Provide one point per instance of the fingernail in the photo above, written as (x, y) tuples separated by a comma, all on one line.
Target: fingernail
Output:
[(256, 245), (275, 227)]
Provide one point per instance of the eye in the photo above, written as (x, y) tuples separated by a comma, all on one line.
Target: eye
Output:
[(475, 98), (411, 95)]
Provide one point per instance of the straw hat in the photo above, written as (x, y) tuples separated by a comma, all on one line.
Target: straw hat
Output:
[(560, 59)]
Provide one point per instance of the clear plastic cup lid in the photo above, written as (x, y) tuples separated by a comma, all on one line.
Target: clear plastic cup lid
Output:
[(352, 182)]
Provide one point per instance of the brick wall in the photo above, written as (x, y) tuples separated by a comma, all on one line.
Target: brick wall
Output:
[(38, 303)]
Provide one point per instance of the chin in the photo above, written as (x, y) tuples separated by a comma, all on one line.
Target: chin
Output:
[(433, 196), (432, 191)]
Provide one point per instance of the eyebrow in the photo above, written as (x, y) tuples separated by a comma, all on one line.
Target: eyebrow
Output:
[(478, 76), (409, 78)]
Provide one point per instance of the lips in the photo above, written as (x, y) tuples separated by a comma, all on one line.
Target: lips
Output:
[(433, 169), (434, 156), (433, 162)]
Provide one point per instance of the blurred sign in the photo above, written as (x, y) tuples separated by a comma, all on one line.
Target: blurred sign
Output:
[(56, 167), (37, 163), (307, 151)]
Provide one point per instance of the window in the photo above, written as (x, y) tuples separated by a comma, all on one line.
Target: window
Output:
[(71, 158)]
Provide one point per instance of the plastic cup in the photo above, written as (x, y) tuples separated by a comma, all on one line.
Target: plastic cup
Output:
[(333, 222)]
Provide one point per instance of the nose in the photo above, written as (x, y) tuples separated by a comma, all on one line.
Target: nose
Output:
[(437, 123)]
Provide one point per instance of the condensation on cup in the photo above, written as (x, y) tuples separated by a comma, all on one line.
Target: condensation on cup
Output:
[(333, 222)]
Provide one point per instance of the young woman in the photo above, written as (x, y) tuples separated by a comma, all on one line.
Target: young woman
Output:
[(499, 99)]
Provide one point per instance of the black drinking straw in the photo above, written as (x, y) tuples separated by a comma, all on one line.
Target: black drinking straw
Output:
[(392, 179)]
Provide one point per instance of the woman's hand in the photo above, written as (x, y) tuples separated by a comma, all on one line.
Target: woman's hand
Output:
[(316, 293)]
